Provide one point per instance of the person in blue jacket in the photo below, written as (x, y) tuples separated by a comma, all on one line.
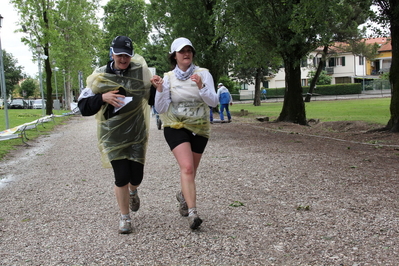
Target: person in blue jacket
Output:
[(225, 100)]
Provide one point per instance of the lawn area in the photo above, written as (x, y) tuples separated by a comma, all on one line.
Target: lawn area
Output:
[(18, 117), (368, 110)]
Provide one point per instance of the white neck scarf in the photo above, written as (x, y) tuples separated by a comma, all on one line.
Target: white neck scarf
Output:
[(180, 74)]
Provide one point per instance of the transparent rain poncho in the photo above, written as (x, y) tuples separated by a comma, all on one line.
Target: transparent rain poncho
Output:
[(125, 135), (187, 109)]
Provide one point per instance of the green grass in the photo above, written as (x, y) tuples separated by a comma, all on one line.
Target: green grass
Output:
[(367, 110), (18, 117)]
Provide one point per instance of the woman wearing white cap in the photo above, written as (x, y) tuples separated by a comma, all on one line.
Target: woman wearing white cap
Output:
[(118, 93), (183, 98)]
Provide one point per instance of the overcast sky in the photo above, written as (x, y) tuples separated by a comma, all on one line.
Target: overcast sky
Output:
[(11, 41)]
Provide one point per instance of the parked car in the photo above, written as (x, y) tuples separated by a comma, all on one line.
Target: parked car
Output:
[(37, 104), (18, 104), (30, 104)]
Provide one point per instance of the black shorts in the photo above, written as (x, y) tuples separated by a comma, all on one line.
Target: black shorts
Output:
[(127, 171), (175, 137)]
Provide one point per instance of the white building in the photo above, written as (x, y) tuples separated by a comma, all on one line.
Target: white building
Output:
[(343, 67)]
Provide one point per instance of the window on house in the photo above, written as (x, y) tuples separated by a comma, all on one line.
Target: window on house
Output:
[(244, 86), (304, 82), (340, 80), (343, 60), (361, 60), (331, 62)]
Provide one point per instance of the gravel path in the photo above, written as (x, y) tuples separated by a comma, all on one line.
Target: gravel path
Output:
[(306, 201)]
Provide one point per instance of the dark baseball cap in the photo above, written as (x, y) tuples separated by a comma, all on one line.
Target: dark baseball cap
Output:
[(122, 45)]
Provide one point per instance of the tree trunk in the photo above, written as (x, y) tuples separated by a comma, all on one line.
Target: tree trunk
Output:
[(393, 123), (258, 80), (47, 64), (293, 107), (317, 74), (49, 88)]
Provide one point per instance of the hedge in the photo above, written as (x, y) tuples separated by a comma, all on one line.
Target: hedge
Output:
[(336, 89)]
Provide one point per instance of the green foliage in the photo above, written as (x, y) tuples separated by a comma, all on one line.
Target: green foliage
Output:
[(292, 29), (361, 48), (384, 76), (12, 72), (270, 92), (28, 86), (67, 32), (337, 89), (233, 87), (126, 18), (195, 20), (323, 78), (155, 56)]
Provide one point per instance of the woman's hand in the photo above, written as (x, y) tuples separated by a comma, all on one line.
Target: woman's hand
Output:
[(197, 79), (157, 82), (111, 98)]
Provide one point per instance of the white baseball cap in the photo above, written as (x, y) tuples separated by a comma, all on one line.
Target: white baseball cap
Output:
[(179, 43)]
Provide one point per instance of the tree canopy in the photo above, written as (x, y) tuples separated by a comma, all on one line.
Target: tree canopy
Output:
[(64, 32), (28, 87), (12, 72), (291, 29), (195, 20), (124, 18)]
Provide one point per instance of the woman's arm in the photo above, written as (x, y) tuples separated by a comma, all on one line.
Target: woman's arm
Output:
[(162, 97), (207, 92)]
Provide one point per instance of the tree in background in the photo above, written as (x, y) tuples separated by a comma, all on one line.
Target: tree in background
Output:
[(126, 18), (343, 27), (388, 15), (291, 29), (155, 56), (35, 17), (78, 43), (12, 72), (322, 79), (28, 87), (63, 31), (251, 61), (195, 20)]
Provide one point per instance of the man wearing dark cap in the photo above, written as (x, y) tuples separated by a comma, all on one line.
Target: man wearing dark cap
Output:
[(118, 93)]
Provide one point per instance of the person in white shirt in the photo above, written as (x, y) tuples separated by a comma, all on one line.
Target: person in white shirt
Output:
[(183, 99), (225, 100)]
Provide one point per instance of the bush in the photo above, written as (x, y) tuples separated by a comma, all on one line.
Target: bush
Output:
[(336, 89), (232, 86)]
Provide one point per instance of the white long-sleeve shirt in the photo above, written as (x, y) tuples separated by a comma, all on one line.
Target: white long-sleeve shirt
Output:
[(207, 93)]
